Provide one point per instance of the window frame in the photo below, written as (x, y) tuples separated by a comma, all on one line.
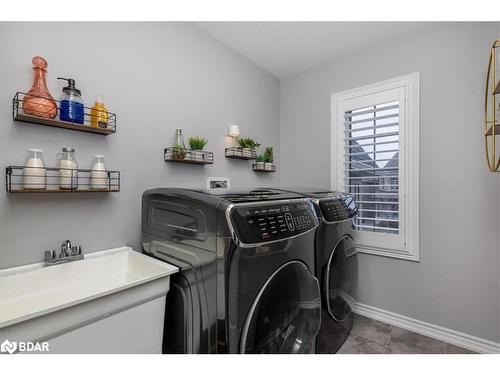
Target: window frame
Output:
[(405, 245)]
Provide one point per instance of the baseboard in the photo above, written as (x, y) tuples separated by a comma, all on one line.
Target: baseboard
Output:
[(440, 333)]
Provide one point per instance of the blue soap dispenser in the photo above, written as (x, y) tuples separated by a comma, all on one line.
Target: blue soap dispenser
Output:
[(71, 103)]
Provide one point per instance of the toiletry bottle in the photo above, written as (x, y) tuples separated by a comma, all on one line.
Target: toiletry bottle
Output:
[(98, 176), (71, 103), (34, 172), (99, 115), (68, 169)]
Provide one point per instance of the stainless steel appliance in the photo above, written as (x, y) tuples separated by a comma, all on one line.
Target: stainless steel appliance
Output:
[(336, 264), (247, 281)]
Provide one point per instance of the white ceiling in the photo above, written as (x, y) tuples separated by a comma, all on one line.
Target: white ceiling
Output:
[(288, 48)]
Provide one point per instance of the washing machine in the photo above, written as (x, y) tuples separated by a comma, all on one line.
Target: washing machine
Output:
[(336, 264), (246, 282)]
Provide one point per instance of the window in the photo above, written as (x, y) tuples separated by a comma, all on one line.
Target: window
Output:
[(371, 157), (375, 158)]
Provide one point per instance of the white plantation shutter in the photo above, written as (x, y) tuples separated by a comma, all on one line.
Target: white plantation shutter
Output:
[(371, 165), (375, 158)]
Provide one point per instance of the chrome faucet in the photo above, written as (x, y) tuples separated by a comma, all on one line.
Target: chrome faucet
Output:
[(68, 253)]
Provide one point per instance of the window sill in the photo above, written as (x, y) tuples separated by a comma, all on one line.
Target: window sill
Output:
[(390, 253)]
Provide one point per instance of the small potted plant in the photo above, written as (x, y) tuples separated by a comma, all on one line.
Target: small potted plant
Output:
[(197, 144), (268, 159), (247, 146), (178, 152), (260, 165)]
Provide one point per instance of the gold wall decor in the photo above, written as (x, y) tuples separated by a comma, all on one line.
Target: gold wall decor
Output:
[(492, 108)]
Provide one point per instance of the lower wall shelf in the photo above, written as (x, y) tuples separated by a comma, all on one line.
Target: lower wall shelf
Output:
[(20, 179), (263, 167)]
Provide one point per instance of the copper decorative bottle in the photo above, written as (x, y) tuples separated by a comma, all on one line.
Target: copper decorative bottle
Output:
[(38, 101)]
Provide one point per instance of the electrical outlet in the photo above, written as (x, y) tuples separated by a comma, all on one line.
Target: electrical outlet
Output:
[(218, 183)]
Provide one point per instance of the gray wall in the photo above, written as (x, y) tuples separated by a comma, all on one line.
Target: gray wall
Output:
[(456, 283), (160, 76), (156, 77)]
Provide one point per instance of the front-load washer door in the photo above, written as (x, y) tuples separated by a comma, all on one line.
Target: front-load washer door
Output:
[(285, 315), (340, 278)]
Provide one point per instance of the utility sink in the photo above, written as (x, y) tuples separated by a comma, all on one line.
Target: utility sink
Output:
[(67, 296)]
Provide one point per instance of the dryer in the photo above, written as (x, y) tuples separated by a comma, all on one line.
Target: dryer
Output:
[(246, 282), (336, 264)]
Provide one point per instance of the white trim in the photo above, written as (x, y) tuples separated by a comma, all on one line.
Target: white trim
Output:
[(387, 252), (407, 246), (463, 340)]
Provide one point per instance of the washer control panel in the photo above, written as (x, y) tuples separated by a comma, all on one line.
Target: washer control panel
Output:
[(339, 208), (254, 224)]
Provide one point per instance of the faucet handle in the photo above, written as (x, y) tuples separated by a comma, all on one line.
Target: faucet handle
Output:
[(48, 255)]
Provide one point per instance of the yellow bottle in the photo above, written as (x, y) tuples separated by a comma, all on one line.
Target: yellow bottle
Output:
[(99, 115)]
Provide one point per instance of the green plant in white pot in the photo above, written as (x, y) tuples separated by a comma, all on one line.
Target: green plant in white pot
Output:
[(261, 165), (247, 146), (196, 144), (268, 159)]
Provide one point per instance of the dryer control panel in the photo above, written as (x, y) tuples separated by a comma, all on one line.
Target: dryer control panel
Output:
[(254, 224), (339, 208)]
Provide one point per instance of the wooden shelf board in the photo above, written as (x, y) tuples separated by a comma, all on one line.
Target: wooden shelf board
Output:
[(35, 191), (188, 161), (240, 157), (61, 124), (262, 170)]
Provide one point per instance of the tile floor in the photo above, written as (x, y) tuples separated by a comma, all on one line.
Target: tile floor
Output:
[(370, 336)]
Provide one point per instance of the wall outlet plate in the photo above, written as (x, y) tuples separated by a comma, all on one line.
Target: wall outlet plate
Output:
[(218, 183)]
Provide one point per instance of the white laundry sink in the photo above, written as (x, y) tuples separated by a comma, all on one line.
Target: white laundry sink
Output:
[(67, 296)]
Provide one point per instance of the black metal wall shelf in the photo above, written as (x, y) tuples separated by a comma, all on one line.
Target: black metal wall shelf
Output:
[(19, 116), (184, 155), (263, 167), (20, 179), (240, 153)]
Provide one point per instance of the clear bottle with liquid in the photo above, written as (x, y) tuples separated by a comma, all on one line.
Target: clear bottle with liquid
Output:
[(99, 115), (179, 152), (68, 169), (72, 109)]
